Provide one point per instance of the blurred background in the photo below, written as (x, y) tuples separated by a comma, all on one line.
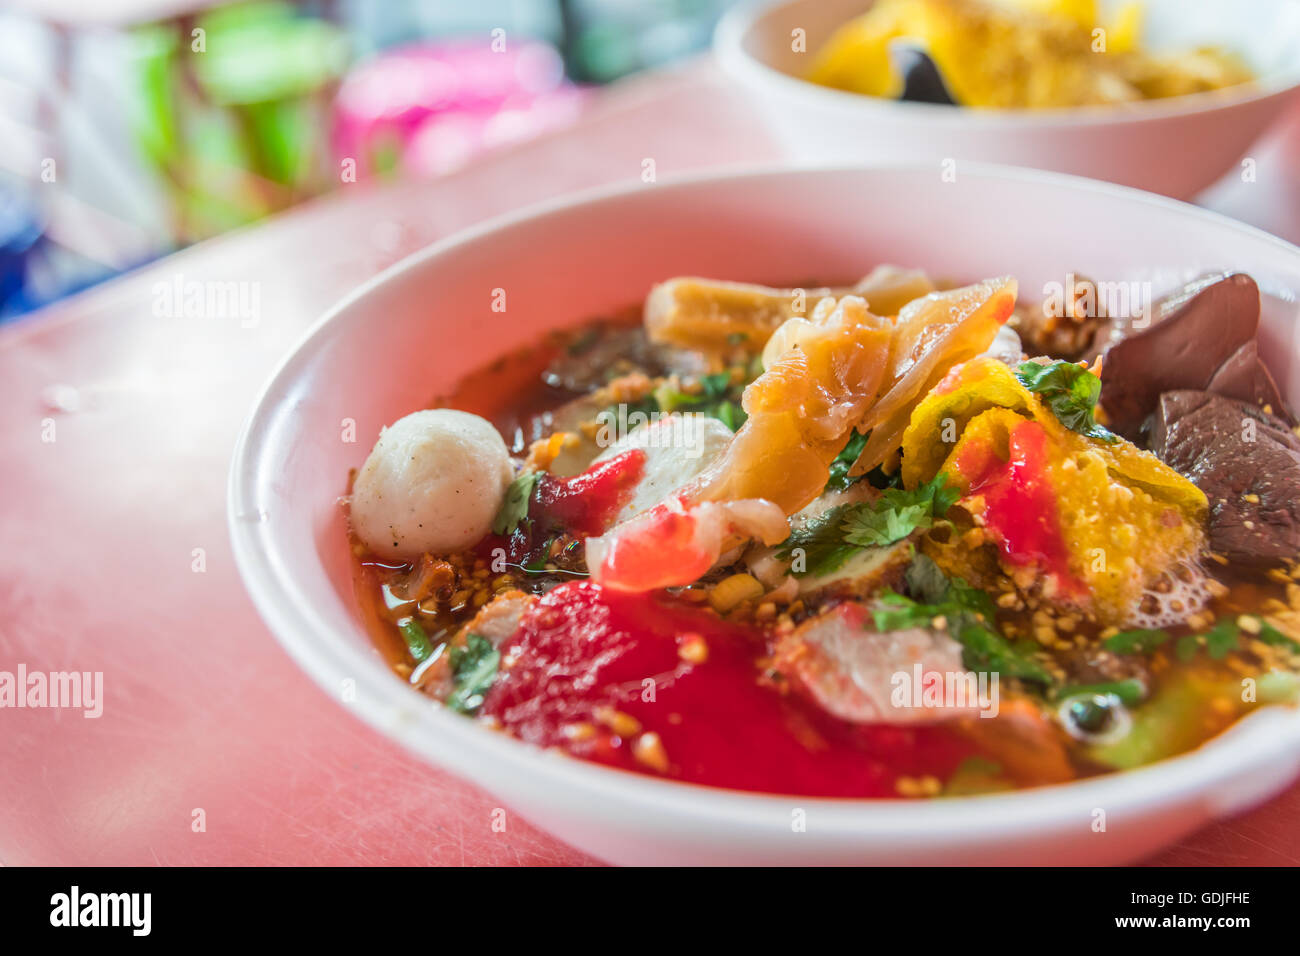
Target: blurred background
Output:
[(153, 148)]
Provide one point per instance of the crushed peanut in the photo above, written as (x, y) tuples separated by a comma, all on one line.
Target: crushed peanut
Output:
[(648, 750)]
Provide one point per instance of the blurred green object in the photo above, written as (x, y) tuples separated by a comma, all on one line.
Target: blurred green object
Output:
[(233, 111), (261, 52)]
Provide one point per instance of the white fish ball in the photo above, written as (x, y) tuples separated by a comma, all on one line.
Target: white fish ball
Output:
[(433, 482)]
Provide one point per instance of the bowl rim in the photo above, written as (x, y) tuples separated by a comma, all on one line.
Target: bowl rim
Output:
[(737, 23), (454, 743)]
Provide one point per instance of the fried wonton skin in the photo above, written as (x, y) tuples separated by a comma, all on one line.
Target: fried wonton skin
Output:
[(931, 334), (716, 316), (712, 315), (803, 408), (801, 411), (1099, 521)]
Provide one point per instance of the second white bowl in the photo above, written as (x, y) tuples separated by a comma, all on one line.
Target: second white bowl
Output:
[(1176, 146)]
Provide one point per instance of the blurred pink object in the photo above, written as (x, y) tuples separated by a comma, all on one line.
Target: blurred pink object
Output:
[(431, 107)]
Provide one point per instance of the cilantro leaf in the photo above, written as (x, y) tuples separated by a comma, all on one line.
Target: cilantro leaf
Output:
[(839, 479), (821, 544), (925, 581), (897, 513), (1271, 635), (667, 400), (969, 616), (515, 507), (1139, 640), (944, 495), (878, 527), (1071, 392), (897, 612), (729, 413), (972, 599), (987, 650), (1221, 639), (474, 669), (718, 398), (716, 385), (831, 539)]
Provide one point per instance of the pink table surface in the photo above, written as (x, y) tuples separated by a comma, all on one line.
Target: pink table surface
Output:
[(203, 711)]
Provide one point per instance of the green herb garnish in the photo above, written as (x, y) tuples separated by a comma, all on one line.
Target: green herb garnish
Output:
[(1071, 392), (1130, 691), (538, 564), (987, 650), (834, 537), (417, 642), (515, 507), (1271, 635), (839, 479), (730, 414), (1220, 640), (925, 581), (716, 385), (897, 513), (877, 477), (647, 405), (878, 527), (667, 400), (718, 398), (1139, 640), (969, 617), (474, 669), (822, 543)]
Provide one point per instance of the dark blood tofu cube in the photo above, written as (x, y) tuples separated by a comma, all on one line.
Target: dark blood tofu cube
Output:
[(1193, 332), (1248, 464)]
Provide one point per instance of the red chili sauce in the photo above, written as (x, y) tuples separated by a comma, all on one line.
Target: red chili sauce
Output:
[(585, 658)]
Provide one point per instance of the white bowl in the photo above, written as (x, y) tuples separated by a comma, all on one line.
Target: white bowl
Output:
[(1176, 146), (411, 332)]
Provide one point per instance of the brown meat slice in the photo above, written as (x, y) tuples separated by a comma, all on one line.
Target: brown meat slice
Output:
[(499, 619), (850, 670), (1245, 377), (1192, 334), (1248, 464)]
